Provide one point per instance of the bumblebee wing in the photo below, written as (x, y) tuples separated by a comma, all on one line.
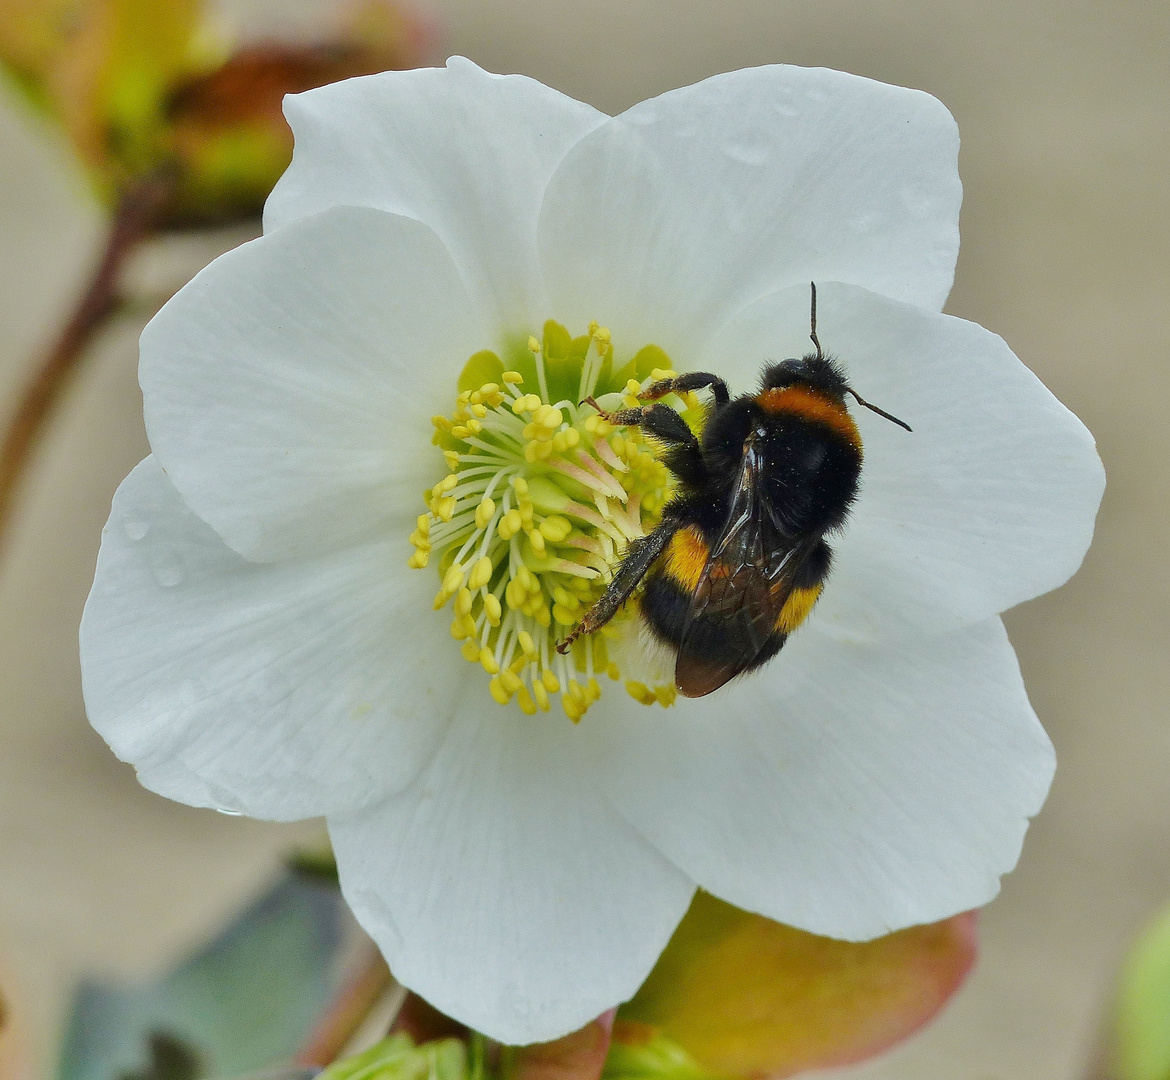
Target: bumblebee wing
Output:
[(744, 585)]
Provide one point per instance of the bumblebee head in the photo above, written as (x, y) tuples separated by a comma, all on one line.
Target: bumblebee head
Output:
[(815, 371)]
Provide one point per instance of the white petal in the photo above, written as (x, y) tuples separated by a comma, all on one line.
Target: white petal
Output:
[(465, 151), (990, 501), (288, 388), (849, 791), (502, 887), (683, 209), (282, 690)]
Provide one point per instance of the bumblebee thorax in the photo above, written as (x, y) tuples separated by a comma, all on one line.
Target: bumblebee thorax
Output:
[(812, 405)]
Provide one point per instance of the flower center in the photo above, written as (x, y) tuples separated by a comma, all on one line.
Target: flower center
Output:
[(540, 501)]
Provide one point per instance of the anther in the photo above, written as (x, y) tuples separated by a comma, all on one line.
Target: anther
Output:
[(481, 573), (555, 528), (484, 512), (510, 524), (496, 689), (640, 692), (510, 680)]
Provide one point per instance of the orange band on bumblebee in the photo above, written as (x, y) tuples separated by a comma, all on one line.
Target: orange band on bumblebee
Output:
[(811, 405)]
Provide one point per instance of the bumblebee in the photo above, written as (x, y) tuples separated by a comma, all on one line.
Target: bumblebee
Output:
[(740, 556)]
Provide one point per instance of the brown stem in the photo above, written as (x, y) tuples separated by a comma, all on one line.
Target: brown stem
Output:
[(580, 1055), (136, 215), (347, 1013), (424, 1023)]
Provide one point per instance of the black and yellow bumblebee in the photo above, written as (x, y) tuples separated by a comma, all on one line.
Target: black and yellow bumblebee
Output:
[(740, 556)]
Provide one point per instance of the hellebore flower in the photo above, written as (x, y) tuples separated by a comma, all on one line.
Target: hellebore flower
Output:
[(262, 637)]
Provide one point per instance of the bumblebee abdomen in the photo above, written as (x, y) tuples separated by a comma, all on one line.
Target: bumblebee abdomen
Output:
[(797, 608), (666, 597), (685, 556), (664, 606)]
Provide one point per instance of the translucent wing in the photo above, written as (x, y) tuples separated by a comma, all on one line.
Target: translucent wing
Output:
[(745, 583)]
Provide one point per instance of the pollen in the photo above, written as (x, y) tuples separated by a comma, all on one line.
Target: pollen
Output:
[(540, 498)]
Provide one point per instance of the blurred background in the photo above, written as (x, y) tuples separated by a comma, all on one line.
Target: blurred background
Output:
[(1065, 161)]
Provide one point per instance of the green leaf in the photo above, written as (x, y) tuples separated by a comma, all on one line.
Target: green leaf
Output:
[(246, 1000)]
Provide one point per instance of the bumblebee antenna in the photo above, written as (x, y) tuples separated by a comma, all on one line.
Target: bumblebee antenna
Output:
[(812, 320), (874, 408)]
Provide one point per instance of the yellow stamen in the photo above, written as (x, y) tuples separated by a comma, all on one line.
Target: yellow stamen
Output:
[(540, 499), (481, 574), (641, 693)]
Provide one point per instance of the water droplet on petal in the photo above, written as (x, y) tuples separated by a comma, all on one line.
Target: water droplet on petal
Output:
[(748, 153), (135, 528), (168, 568), (263, 696)]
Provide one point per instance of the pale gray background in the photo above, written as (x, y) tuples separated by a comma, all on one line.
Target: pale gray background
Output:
[(1063, 113)]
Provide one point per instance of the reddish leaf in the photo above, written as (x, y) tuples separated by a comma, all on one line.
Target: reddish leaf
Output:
[(748, 997)]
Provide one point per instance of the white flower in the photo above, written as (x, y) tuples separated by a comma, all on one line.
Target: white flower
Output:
[(255, 639)]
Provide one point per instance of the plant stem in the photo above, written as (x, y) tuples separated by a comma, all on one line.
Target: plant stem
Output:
[(424, 1023), (136, 216)]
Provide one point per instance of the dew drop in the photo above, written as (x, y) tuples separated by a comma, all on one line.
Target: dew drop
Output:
[(748, 153), (168, 568), (265, 695), (135, 528)]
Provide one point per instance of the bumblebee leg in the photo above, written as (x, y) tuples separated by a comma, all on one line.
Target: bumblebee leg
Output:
[(638, 559), (680, 384), (661, 421), (621, 418), (684, 456)]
